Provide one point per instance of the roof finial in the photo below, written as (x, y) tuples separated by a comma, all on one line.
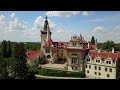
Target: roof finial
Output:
[(46, 17)]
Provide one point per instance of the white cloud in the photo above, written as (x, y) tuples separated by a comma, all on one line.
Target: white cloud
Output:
[(17, 29), (85, 13), (2, 18), (98, 29), (59, 31), (116, 27), (16, 23), (62, 13), (39, 23), (102, 34), (13, 16)]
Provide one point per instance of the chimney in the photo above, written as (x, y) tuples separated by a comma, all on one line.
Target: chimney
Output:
[(113, 50), (99, 51), (88, 45)]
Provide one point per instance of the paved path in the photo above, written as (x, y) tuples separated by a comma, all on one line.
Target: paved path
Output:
[(50, 77)]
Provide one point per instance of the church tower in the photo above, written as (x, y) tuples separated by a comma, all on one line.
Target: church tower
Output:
[(45, 33)]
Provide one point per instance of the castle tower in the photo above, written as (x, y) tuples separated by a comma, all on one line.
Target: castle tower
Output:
[(48, 33), (45, 33)]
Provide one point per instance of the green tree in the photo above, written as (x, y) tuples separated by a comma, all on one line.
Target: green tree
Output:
[(108, 45), (9, 51), (4, 74), (20, 67), (4, 48), (92, 40)]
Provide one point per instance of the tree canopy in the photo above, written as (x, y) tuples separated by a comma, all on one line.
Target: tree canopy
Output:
[(92, 40), (20, 67), (108, 45)]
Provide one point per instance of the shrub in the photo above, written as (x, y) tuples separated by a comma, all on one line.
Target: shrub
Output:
[(50, 72)]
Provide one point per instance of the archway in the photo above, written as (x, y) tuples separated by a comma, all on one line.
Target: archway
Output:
[(48, 56)]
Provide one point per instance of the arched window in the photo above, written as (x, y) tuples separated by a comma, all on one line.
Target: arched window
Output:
[(48, 56)]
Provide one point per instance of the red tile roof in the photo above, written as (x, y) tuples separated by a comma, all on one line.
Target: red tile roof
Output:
[(62, 44), (104, 55), (85, 45), (34, 54), (76, 49), (50, 42)]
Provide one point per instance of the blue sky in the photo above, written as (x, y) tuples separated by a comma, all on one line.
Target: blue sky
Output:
[(25, 26)]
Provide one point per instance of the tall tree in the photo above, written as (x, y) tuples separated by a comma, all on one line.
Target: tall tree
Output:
[(4, 49), (20, 67), (92, 40), (4, 74), (9, 49)]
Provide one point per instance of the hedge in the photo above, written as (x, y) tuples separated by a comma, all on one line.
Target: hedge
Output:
[(50, 72)]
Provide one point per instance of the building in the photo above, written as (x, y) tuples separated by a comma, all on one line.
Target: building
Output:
[(76, 55), (102, 65), (72, 53), (33, 57)]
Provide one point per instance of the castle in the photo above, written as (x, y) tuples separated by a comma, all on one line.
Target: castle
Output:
[(76, 55)]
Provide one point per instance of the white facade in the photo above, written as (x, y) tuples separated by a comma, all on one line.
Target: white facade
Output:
[(100, 69)]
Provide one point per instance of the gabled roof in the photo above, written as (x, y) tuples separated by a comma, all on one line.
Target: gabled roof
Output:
[(48, 43), (34, 54), (104, 55)]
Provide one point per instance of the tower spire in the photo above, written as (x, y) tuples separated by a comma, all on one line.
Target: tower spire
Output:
[(46, 23)]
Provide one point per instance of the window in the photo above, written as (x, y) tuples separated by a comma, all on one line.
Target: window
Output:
[(99, 74), (113, 61), (95, 67), (109, 62), (87, 71), (105, 69), (86, 66), (47, 50), (96, 60), (74, 61), (74, 44), (102, 59), (106, 62), (110, 69), (99, 68), (88, 60), (48, 56), (75, 68), (95, 73), (108, 75), (89, 66), (72, 68)]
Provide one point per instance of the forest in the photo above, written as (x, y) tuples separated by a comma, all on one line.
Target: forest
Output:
[(13, 63)]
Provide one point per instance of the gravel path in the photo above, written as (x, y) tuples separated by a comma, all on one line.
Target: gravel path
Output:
[(50, 77)]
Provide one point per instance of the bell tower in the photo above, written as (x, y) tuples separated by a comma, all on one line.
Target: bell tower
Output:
[(45, 33)]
